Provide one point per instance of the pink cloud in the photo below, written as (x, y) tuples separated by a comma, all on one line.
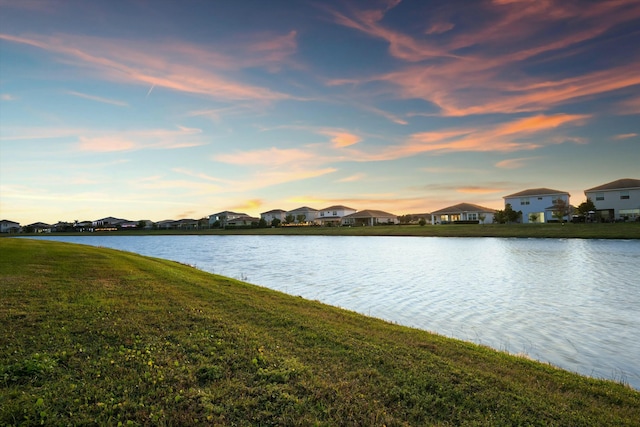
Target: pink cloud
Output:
[(341, 138), (270, 157), (516, 163), (159, 65), (625, 136), (98, 99)]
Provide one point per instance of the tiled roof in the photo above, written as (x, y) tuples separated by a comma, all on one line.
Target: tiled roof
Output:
[(337, 208), (617, 185), (463, 207), (536, 192), (274, 211), (369, 213), (304, 208)]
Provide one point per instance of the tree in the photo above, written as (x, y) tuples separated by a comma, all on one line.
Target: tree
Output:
[(141, 224), (533, 217), (585, 207), (482, 217), (301, 218), (275, 222), (507, 215), (262, 223), (561, 209), (422, 222), (289, 219)]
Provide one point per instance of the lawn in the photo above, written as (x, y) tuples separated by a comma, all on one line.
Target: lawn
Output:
[(101, 337)]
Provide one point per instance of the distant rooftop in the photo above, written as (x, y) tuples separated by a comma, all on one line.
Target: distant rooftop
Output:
[(617, 185), (462, 207), (536, 192)]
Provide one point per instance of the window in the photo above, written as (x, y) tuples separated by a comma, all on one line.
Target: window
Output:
[(624, 195), (472, 216), (599, 196), (524, 201), (335, 213)]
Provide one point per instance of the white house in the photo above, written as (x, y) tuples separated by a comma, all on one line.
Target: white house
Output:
[(616, 200), (242, 221), (333, 214), (536, 204), (223, 217), (7, 226), (310, 215), (463, 212), (269, 216), (369, 217)]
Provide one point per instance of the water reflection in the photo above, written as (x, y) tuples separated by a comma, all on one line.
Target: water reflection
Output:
[(571, 302)]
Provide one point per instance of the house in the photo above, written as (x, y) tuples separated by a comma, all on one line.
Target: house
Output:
[(369, 217), (166, 224), (333, 214), (108, 222), (39, 227), (221, 219), (7, 226), (463, 212), (186, 224), (303, 215), (537, 204), (616, 200), (243, 221), (274, 214)]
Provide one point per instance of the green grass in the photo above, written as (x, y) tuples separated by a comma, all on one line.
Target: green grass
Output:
[(630, 230), (101, 337)]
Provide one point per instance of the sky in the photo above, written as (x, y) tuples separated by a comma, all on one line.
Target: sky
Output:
[(152, 109)]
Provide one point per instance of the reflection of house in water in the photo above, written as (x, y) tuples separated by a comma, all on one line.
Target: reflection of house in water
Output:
[(463, 212), (616, 200), (536, 204)]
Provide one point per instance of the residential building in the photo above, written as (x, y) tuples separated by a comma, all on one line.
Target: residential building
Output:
[(269, 216), (243, 221), (616, 200), (537, 204), (303, 215), (463, 212), (39, 227), (7, 226), (333, 214), (369, 217), (108, 222), (222, 218)]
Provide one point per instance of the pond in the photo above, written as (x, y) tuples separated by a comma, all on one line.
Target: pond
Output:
[(574, 303)]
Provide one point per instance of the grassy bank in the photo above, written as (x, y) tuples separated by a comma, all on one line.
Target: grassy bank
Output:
[(96, 336), (629, 230)]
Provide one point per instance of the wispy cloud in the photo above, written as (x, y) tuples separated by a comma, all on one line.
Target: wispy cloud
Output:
[(99, 99), (491, 76), (516, 163), (341, 138), (270, 157), (172, 66), (353, 178), (182, 137), (625, 136), (7, 97)]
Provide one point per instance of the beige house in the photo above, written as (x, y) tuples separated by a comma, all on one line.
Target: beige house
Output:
[(369, 217), (463, 212)]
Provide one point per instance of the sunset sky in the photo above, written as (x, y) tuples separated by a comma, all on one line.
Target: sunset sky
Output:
[(160, 110)]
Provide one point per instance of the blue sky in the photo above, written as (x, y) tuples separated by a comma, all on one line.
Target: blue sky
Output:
[(163, 109)]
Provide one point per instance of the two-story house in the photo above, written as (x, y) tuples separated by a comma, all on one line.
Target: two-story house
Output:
[(303, 215), (333, 214), (270, 216), (616, 200), (7, 226), (222, 218), (537, 204)]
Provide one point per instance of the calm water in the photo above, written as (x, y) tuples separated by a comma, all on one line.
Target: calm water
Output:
[(571, 302)]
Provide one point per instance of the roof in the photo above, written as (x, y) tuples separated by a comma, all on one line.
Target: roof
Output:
[(228, 213), (338, 208), (536, 192), (617, 185), (274, 211), (369, 213), (463, 207), (304, 208)]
